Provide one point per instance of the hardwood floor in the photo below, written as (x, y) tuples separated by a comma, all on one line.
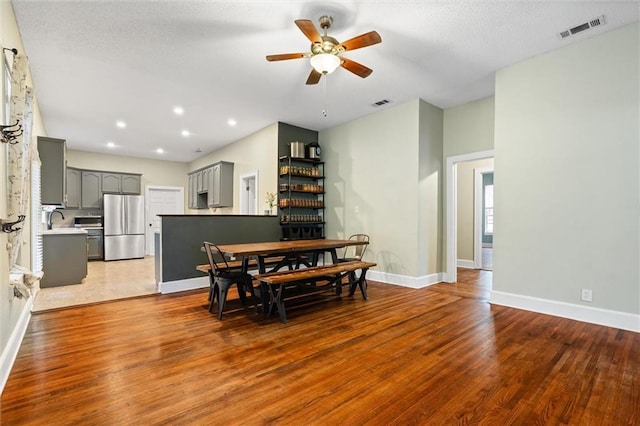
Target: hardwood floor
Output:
[(435, 356)]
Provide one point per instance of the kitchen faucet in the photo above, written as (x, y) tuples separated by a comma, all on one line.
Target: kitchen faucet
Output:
[(50, 221)]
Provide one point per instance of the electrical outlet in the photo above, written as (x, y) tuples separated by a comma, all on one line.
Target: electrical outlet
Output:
[(587, 295)]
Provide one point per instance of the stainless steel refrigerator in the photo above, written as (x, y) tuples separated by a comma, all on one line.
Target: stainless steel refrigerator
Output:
[(123, 227)]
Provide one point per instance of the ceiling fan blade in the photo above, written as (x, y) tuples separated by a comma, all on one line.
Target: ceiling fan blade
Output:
[(307, 27), (285, 56), (314, 77), (356, 68), (363, 40)]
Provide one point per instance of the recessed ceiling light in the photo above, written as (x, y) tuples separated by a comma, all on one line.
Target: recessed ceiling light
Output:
[(111, 144), (121, 124), (185, 133), (160, 151), (231, 122), (178, 110)]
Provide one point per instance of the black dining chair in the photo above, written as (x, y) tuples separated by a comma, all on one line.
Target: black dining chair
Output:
[(222, 277)]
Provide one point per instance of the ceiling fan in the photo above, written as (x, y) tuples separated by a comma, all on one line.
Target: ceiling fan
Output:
[(326, 50)]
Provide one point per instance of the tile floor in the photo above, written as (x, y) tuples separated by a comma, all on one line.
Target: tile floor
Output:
[(105, 281)]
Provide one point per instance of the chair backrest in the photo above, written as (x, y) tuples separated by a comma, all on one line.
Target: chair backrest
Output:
[(356, 251), (217, 261)]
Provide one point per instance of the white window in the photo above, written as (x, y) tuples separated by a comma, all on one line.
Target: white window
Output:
[(488, 210)]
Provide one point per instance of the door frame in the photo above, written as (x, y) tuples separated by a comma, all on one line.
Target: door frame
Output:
[(451, 272), (478, 215), (147, 190), (243, 204)]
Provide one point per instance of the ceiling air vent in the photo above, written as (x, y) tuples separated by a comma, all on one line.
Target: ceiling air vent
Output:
[(380, 103), (595, 22)]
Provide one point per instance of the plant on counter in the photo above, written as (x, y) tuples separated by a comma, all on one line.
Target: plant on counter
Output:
[(271, 201)]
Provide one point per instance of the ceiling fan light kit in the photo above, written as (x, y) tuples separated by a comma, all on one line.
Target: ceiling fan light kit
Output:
[(325, 63), (326, 50)]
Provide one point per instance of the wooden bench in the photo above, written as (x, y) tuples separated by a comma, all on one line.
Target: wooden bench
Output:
[(276, 282), (237, 264)]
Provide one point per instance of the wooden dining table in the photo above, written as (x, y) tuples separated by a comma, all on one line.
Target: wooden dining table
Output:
[(293, 252)]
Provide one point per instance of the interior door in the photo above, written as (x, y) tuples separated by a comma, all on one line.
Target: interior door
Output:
[(160, 200)]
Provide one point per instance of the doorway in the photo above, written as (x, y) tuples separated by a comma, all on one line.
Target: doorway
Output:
[(483, 218), (160, 200), (452, 163), (249, 193)]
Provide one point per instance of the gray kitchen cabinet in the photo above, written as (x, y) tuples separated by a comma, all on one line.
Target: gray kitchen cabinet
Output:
[(95, 243), (91, 190), (196, 200), (53, 175), (130, 184), (190, 192), (203, 177), (74, 185), (211, 186), (221, 189), (110, 183), (120, 183), (199, 183), (64, 259)]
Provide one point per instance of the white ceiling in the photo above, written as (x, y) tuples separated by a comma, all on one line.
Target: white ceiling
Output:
[(96, 62)]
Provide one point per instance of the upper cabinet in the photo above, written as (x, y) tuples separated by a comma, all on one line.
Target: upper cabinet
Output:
[(74, 185), (221, 188), (53, 174), (211, 186), (93, 184), (120, 183), (91, 189)]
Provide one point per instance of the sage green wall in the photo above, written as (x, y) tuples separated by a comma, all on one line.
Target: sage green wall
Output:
[(571, 117), (469, 128), (256, 152), (465, 204), (382, 180), (430, 190)]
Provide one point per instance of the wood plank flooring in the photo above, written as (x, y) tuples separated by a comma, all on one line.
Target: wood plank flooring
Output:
[(435, 356)]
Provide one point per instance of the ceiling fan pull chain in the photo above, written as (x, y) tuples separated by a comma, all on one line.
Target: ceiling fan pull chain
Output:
[(324, 96)]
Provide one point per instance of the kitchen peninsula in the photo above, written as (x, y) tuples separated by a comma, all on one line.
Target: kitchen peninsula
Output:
[(178, 244)]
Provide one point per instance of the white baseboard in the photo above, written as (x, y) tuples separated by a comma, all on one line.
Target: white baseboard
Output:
[(10, 352), (469, 264), (183, 285), (615, 319), (403, 280)]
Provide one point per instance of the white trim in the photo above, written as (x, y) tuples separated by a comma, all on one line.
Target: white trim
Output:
[(243, 206), (477, 216), (183, 285), (609, 318), (10, 352), (450, 259), (469, 264), (403, 280)]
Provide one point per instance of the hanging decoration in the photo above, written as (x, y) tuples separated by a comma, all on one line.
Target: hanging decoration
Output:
[(21, 150)]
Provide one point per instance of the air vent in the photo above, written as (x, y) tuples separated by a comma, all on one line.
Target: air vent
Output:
[(595, 22), (380, 103)]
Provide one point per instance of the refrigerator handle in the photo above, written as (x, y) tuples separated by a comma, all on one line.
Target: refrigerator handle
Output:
[(123, 215)]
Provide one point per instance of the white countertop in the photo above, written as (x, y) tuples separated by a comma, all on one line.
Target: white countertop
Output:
[(63, 231)]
